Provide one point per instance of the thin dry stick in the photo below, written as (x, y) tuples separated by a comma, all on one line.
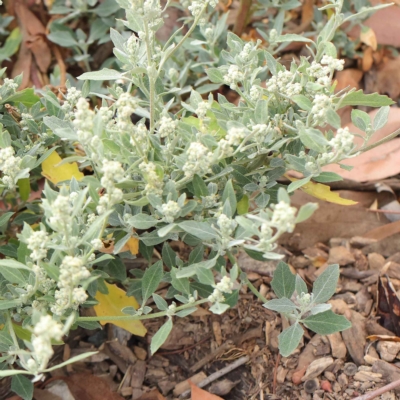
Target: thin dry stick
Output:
[(378, 392), (278, 359), (384, 211), (221, 349), (219, 374)]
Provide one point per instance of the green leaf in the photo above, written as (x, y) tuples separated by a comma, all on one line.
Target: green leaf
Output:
[(27, 97), (326, 177), (361, 99), (313, 139), (283, 282), (24, 187), (168, 255), (229, 200), (289, 339), (319, 308), (196, 255), (5, 218), (215, 75), (306, 211), (205, 276), (160, 302), (11, 44), (142, 221), (22, 386), (7, 304), (161, 336), (219, 308), (360, 119), (201, 230), (199, 186), (243, 205), (302, 101), (326, 323), (325, 285), (333, 118), (292, 37), (381, 118), (282, 305), (300, 285), (151, 279), (298, 184), (182, 285), (105, 74)]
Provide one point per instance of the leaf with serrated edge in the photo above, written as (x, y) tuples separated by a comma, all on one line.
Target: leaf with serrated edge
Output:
[(326, 323), (161, 336), (289, 339), (283, 282), (325, 285)]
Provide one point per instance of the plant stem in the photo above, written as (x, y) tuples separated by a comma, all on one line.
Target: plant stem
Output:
[(255, 291), (151, 77), (379, 142)]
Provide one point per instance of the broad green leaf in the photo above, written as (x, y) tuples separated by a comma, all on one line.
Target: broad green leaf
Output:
[(201, 230), (205, 276), (302, 101), (325, 177), (11, 44), (7, 304), (215, 75), (360, 119), (168, 255), (319, 308), (199, 186), (182, 285), (359, 98), (283, 282), (27, 97), (381, 118), (111, 304), (289, 339), (142, 221), (105, 74), (161, 336), (313, 139), (325, 285), (151, 279), (326, 323), (298, 184), (24, 187), (196, 255), (22, 386), (300, 285), (5, 218), (292, 37), (283, 305), (160, 302), (243, 205), (333, 118), (219, 308), (229, 200), (306, 211)]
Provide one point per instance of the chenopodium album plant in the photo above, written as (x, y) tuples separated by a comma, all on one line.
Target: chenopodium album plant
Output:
[(199, 170)]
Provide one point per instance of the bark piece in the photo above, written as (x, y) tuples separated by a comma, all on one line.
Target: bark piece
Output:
[(184, 385), (317, 367), (138, 374), (340, 255), (376, 261), (388, 350), (368, 376), (337, 345), (355, 337)]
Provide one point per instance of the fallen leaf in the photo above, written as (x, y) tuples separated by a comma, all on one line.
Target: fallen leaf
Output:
[(58, 173), (384, 231), (133, 245), (85, 386), (349, 77), (368, 59), (368, 37), (323, 192), (112, 303), (200, 394), (152, 395)]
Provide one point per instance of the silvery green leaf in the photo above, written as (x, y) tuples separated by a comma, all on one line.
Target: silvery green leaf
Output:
[(151, 279), (188, 208), (5, 218), (283, 195), (152, 238), (283, 305), (359, 98), (142, 221), (191, 270), (333, 118), (205, 276), (325, 285), (292, 37), (181, 299), (70, 361), (381, 118), (117, 39), (272, 256), (121, 243), (360, 119), (319, 308), (215, 75), (146, 310), (196, 255), (201, 230), (306, 211), (313, 139), (219, 308), (298, 184), (300, 285), (105, 74), (234, 272), (95, 227), (160, 302), (302, 101), (326, 323), (89, 325), (229, 200), (289, 339), (180, 284), (165, 230), (168, 255), (200, 188), (261, 112), (325, 177), (161, 336), (186, 312), (283, 282), (129, 310), (248, 225)]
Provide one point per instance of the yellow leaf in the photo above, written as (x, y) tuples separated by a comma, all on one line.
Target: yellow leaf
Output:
[(133, 245), (112, 303), (58, 173), (323, 192)]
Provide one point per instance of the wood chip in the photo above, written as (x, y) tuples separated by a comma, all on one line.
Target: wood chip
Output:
[(184, 385)]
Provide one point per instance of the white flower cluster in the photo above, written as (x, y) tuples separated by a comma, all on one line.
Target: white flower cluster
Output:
[(259, 133), (154, 184), (283, 83), (197, 6), (167, 127), (170, 210), (43, 333), (225, 286), (284, 217), (72, 272), (126, 106), (97, 244), (224, 149), (37, 243), (244, 54), (332, 63), (25, 118), (71, 99), (83, 121), (323, 71), (132, 46), (233, 76), (343, 142), (10, 85), (139, 136), (226, 226), (265, 238), (321, 105), (112, 172), (305, 299), (199, 160), (210, 201), (235, 136), (255, 92), (61, 210), (152, 12), (202, 109), (9, 166)]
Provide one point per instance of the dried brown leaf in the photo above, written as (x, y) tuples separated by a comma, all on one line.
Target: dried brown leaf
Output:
[(200, 394)]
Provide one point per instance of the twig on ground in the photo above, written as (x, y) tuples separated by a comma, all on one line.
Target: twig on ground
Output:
[(209, 357), (378, 392), (278, 359), (216, 375)]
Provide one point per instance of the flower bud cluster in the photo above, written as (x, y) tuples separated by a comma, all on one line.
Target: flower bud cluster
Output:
[(83, 121), (9, 166), (167, 127), (154, 183), (125, 106), (44, 332), (37, 244), (321, 105), (305, 299), (284, 83), (235, 136), (233, 76), (343, 142), (72, 272), (61, 210), (202, 109), (283, 217), (170, 210), (224, 286), (71, 99), (199, 160)]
